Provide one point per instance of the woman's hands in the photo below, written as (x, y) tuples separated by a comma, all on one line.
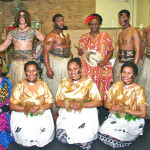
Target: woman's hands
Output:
[(34, 108), (76, 105), (116, 108)]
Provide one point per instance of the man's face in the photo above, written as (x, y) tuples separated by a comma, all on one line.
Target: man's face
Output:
[(22, 16), (123, 19), (59, 23)]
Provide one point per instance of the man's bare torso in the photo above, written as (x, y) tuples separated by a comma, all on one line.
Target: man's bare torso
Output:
[(126, 39), (61, 40), (22, 40)]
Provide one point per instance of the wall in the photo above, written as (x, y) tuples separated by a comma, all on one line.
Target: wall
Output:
[(74, 12), (143, 13), (109, 9)]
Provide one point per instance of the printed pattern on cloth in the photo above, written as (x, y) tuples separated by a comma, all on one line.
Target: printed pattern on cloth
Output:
[(62, 137), (101, 76)]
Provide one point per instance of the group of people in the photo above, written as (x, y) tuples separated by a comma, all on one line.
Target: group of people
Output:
[(73, 88)]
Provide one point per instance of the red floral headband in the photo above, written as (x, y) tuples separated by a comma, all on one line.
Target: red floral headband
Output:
[(88, 19)]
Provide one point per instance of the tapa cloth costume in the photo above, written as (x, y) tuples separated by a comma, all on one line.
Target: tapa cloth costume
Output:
[(102, 43), (123, 56), (78, 127), (32, 130), (119, 132), (20, 57), (58, 58), (5, 133)]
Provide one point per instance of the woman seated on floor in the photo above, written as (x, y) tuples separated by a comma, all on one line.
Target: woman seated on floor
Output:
[(127, 104), (5, 91), (78, 99), (30, 102)]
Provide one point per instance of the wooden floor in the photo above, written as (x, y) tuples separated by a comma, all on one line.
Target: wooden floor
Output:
[(141, 143)]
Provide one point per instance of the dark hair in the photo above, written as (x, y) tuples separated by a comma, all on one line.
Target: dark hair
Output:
[(31, 63), (76, 59), (57, 15), (124, 11), (132, 65), (100, 17), (27, 18)]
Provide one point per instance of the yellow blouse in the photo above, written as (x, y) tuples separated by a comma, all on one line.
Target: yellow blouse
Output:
[(86, 90), (130, 97), (21, 94)]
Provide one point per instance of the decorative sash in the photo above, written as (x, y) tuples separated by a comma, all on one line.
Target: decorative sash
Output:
[(148, 51), (61, 52), (126, 55), (22, 55)]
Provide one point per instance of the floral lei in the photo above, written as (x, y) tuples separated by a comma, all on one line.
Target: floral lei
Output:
[(88, 19)]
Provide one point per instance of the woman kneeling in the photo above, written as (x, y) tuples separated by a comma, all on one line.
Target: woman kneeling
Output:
[(127, 104)]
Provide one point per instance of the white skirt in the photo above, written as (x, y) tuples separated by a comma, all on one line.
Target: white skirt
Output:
[(121, 128), (80, 127), (30, 131)]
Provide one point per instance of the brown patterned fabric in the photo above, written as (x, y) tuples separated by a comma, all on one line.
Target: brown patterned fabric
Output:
[(148, 51), (20, 55), (61, 52), (126, 55)]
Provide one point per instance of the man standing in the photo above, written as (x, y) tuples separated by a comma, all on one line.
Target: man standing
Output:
[(129, 44), (56, 55), (22, 38)]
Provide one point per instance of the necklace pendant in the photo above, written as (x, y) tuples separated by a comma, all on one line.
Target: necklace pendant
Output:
[(31, 83), (61, 35), (126, 86), (75, 82)]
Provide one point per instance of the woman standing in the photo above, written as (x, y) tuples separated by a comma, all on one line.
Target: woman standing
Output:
[(5, 91), (30, 102), (99, 44), (78, 99), (127, 104)]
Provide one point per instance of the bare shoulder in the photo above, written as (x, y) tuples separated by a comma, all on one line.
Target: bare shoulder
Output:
[(50, 36), (135, 31)]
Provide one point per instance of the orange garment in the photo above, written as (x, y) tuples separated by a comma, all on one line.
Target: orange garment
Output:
[(102, 77)]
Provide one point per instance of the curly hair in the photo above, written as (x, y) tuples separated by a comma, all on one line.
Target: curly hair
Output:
[(27, 18), (76, 60), (124, 11), (132, 65), (57, 15), (31, 63)]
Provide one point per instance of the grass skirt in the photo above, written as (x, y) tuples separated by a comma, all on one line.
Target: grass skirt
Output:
[(59, 67)]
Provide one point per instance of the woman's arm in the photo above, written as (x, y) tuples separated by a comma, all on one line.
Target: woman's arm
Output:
[(107, 58), (17, 107), (141, 112), (60, 104), (92, 104)]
